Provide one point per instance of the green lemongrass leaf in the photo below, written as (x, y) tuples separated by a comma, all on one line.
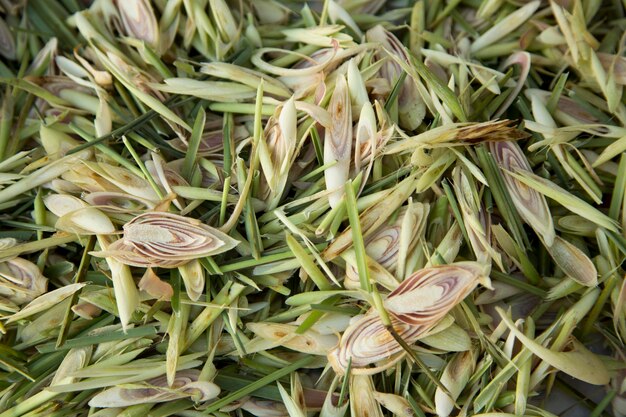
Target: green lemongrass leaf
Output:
[(119, 69), (357, 236), (579, 362), (194, 144), (245, 76), (292, 406), (441, 89), (208, 90), (268, 379), (566, 199), (308, 264), (505, 26), (45, 301), (573, 262)]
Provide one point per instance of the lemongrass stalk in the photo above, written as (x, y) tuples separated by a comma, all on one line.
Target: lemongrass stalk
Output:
[(523, 377), (126, 294), (338, 142), (505, 26)]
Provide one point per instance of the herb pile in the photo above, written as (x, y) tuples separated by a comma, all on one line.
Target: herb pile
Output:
[(284, 208)]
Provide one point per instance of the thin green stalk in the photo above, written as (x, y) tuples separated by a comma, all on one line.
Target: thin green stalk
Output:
[(249, 389), (81, 272), (357, 238), (194, 143)]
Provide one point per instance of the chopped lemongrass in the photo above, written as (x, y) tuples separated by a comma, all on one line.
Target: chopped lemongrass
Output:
[(276, 208)]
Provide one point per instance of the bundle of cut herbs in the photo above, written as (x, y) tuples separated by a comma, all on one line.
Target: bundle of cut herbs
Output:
[(288, 208)]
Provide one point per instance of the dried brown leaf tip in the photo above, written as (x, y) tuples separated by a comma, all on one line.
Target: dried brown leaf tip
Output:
[(166, 240), (498, 130)]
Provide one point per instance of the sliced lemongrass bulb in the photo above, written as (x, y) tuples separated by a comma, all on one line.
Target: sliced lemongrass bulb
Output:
[(277, 150), (85, 221), (45, 301), (499, 291), (390, 245), (362, 401), (577, 225), (192, 274), (124, 180), (577, 362), (505, 26), (139, 21), (87, 180), (337, 13), (310, 342), (429, 294), (308, 86), (102, 78), (166, 176), (74, 360), (449, 247), (411, 107), (522, 59), (573, 262), (324, 36), (110, 201), (221, 91), (369, 150), (455, 377), (167, 240), (21, 280), (62, 204), (294, 403), (264, 408), (7, 242), (378, 273), (413, 225), (7, 306), (398, 405), (245, 76), (366, 135), (75, 216), (227, 26), (153, 285), (565, 198), (330, 323), (374, 216), (367, 341), (356, 86), (451, 339), (530, 204), (86, 310), (212, 140), (186, 384), (43, 175), (331, 406), (568, 112), (338, 142), (477, 220), (383, 246), (615, 63), (40, 326), (55, 142)]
